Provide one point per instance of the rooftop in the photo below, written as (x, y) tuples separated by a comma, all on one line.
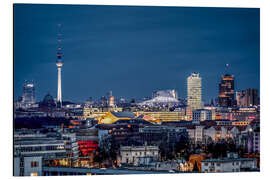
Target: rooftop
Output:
[(123, 114), (229, 159)]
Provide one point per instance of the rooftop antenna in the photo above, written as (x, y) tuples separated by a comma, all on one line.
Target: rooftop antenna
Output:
[(227, 68), (59, 42)]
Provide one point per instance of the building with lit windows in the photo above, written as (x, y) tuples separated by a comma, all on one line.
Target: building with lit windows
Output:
[(245, 114), (33, 150), (111, 101), (87, 140), (39, 145), (239, 98), (155, 135), (28, 95), (213, 111), (112, 117), (199, 115), (226, 91), (194, 91), (90, 112), (28, 166), (240, 123), (195, 134), (247, 98), (133, 154), (229, 164), (165, 116)]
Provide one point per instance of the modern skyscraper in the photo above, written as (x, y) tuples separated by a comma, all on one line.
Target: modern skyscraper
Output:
[(248, 97), (59, 64), (251, 97), (28, 96), (226, 91), (110, 99), (239, 98), (194, 91)]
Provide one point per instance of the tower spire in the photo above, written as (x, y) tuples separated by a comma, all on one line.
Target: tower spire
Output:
[(59, 64), (227, 68), (59, 42)]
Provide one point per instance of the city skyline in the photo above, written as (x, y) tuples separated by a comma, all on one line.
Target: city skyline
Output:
[(135, 90), (134, 50)]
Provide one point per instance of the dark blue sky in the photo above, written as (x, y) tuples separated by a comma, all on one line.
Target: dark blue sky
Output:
[(134, 50)]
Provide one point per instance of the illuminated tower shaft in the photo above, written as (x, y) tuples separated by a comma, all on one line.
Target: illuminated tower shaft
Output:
[(59, 87)]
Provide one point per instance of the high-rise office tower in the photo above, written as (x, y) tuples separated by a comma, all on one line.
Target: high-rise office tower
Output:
[(194, 91), (226, 91), (59, 64), (110, 99), (247, 97), (28, 96), (239, 98), (251, 97)]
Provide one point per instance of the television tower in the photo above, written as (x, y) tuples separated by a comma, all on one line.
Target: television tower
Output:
[(59, 64)]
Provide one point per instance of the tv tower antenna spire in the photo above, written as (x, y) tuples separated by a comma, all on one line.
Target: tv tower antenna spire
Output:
[(59, 64)]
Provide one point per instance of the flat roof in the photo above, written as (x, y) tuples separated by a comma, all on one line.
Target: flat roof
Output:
[(229, 159)]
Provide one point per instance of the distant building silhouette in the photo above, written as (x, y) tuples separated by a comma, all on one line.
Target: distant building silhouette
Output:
[(48, 102)]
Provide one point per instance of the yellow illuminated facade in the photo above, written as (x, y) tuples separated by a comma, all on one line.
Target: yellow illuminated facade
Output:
[(98, 112), (165, 116), (196, 158), (240, 123), (104, 115), (109, 118)]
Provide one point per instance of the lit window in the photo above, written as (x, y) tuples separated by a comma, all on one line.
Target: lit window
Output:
[(34, 164), (34, 174)]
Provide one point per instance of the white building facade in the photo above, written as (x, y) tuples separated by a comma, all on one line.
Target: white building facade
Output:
[(133, 155), (194, 91), (201, 115), (229, 164), (28, 166)]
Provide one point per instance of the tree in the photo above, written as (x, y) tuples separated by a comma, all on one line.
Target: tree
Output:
[(196, 169)]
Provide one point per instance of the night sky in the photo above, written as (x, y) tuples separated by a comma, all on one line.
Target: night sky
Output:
[(133, 51)]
